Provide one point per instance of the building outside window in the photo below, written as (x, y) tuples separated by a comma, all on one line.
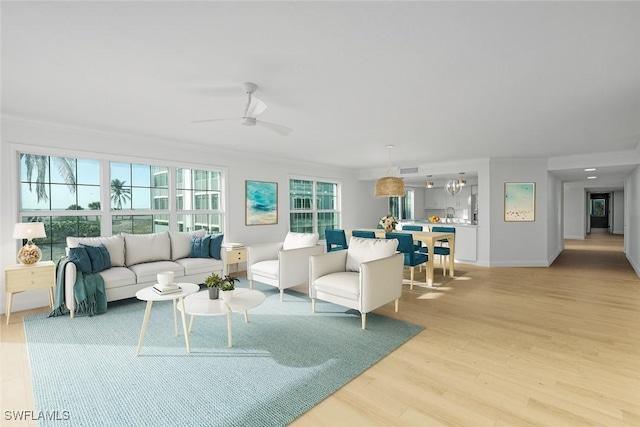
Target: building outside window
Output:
[(313, 206)]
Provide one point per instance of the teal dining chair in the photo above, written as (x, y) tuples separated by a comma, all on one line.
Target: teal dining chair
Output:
[(412, 227), (412, 259), (363, 234), (336, 239)]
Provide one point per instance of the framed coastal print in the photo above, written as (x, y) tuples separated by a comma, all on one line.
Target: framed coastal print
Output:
[(261, 203), (519, 201)]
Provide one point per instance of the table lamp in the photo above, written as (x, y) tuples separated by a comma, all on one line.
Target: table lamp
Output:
[(30, 253)]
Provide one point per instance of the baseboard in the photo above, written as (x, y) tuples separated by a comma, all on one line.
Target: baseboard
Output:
[(635, 266), (520, 264), (574, 237)]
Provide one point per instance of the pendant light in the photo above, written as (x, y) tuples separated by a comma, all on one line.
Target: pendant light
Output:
[(454, 186), (389, 186), (429, 183)]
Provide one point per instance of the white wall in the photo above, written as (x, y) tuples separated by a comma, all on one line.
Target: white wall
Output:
[(359, 207), (632, 225), (574, 217), (518, 243), (555, 240), (617, 225)]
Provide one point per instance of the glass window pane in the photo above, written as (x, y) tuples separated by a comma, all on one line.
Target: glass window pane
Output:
[(121, 171), (62, 198), (141, 175), (63, 170), (300, 194), (120, 195), (190, 222), (89, 196), (141, 198), (160, 177), (327, 195), (142, 224), (327, 220), (121, 224), (301, 222), (29, 198), (88, 172)]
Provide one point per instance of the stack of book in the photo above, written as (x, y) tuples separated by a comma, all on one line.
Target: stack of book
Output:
[(168, 289)]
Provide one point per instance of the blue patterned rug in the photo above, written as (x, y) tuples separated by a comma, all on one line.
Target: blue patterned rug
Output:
[(283, 362)]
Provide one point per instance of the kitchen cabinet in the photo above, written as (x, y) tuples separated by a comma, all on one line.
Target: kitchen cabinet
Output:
[(435, 198)]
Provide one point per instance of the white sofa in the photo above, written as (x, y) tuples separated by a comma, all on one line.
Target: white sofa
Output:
[(364, 277), (282, 264), (136, 259)]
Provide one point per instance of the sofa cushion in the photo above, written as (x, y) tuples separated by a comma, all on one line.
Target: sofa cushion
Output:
[(200, 265), (266, 268), (363, 250), (215, 245), (114, 244), (116, 277), (200, 247), (80, 258), (181, 242), (344, 284), (99, 256), (147, 247), (299, 240), (148, 271)]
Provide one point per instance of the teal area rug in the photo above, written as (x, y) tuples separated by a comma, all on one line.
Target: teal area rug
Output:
[(283, 362)]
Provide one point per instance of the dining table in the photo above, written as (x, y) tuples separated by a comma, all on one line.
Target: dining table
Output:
[(429, 239)]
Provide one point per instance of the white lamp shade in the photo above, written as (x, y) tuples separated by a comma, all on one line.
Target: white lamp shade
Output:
[(29, 230)]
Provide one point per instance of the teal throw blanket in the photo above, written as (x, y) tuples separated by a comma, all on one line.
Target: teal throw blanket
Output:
[(88, 291)]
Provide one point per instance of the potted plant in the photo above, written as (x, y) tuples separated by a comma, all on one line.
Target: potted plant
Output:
[(227, 287), (214, 282)]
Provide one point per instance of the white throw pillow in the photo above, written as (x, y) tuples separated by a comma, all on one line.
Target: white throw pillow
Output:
[(181, 242), (114, 244), (299, 240), (363, 250), (147, 247)]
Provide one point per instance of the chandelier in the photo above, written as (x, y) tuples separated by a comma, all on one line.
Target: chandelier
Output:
[(389, 186), (454, 186)]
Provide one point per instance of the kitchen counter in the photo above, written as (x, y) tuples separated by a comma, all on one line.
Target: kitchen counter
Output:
[(439, 224)]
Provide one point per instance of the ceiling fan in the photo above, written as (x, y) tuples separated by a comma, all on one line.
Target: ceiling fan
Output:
[(254, 108)]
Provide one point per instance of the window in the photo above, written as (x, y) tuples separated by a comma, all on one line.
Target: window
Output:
[(313, 206), (198, 195), (65, 194), (53, 190), (402, 207)]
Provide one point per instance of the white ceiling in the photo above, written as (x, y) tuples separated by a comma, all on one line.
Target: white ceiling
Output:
[(442, 81)]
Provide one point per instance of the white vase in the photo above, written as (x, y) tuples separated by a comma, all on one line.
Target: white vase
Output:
[(226, 296)]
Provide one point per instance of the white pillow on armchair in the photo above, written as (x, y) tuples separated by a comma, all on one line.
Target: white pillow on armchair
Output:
[(299, 240), (363, 250)]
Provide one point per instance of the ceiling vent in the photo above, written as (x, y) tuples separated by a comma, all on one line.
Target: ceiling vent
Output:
[(404, 171)]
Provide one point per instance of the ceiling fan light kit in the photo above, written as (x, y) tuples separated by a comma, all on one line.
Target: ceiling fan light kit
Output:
[(389, 186), (254, 108)]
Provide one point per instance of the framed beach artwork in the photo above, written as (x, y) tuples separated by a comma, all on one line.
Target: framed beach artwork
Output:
[(261, 203), (519, 201)]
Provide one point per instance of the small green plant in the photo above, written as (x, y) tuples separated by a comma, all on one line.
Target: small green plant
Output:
[(229, 283), (214, 281)]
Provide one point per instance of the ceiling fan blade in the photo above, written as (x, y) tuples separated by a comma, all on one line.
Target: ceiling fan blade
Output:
[(282, 130), (214, 120), (256, 107)]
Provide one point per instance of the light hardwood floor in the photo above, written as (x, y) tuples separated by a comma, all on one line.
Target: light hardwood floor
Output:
[(557, 346)]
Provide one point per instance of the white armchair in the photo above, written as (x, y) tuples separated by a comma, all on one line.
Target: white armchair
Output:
[(366, 276), (284, 264)]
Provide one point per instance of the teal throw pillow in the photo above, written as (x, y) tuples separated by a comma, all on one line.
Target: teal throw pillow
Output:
[(215, 245), (200, 247), (80, 258), (99, 255)]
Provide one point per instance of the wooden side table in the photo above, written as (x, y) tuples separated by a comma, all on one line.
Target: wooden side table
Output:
[(236, 256), (20, 278)]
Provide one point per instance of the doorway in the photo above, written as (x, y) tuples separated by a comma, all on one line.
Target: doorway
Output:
[(599, 210)]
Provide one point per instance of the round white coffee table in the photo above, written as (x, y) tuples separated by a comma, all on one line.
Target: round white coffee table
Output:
[(149, 295), (243, 300)]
